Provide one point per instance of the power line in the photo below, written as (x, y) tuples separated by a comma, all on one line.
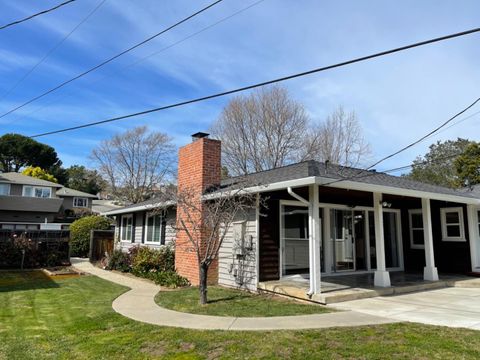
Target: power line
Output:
[(140, 60), (111, 59), (409, 145), (35, 15), (269, 82), (55, 47)]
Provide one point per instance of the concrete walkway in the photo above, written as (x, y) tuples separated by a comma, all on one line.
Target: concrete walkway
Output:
[(454, 306), (138, 304)]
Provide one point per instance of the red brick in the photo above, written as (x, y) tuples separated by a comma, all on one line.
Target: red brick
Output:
[(199, 167)]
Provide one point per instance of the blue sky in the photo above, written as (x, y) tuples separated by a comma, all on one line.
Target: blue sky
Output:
[(397, 98)]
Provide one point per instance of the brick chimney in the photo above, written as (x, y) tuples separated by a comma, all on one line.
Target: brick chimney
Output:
[(199, 167)]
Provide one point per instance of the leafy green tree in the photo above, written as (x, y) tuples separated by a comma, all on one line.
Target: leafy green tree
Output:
[(18, 151), (82, 179), (437, 166), (39, 173), (80, 233), (467, 166)]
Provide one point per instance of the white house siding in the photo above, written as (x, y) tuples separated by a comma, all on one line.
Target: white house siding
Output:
[(234, 271), (139, 232)]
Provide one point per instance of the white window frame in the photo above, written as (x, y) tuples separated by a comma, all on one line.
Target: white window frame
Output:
[(36, 188), (75, 199), (8, 189), (150, 215), (411, 228), (459, 211), (123, 229)]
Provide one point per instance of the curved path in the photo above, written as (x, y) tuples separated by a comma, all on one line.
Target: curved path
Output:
[(139, 304)]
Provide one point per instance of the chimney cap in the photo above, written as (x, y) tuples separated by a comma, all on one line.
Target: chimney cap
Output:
[(199, 135)]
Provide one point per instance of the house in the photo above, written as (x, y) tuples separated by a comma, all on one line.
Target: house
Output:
[(320, 220), (30, 203)]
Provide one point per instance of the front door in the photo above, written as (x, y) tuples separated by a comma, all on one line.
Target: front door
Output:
[(348, 240)]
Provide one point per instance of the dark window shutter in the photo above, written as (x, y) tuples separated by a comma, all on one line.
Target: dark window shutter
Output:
[(134, 218), (162, 234)]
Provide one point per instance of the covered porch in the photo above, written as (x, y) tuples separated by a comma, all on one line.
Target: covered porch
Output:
[(360, 286), (354, 240)]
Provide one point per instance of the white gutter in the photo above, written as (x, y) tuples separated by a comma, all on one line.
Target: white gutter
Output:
[(138, 208)]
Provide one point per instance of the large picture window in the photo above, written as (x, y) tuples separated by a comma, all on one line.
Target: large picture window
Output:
[(126, 228), (155, 229), (36, 191), (452, 224), (417, 240)]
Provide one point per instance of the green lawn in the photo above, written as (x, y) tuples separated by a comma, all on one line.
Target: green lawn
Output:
[(230, 302), (72, 318)]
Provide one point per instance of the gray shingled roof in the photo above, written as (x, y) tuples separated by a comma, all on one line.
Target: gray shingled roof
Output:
[(64, 191), (17, 178), (336, 172)]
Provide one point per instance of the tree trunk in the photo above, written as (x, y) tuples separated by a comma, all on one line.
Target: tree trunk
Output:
[(203, 283)]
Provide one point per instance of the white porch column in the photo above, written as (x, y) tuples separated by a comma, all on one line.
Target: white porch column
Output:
[(474, 237), (382, 276), (314, 239), (430, 272)]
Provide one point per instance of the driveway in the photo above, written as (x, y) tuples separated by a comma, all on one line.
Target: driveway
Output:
[(454, 307)]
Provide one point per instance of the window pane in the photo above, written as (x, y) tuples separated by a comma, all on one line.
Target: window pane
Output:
[(418, 237), (27, 191), (417, 221), (453, 230), (452, 217), (295, 222), (4, 189), (149, 228)]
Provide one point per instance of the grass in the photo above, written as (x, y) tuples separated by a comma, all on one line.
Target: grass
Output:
[(230, 302), (72, 318)]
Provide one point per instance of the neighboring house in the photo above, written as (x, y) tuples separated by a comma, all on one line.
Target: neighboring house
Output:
[(321, 219), (102, 206), (30, 203)]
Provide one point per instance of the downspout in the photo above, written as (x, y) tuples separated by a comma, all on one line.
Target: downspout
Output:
[(296, 196), (290, 191)]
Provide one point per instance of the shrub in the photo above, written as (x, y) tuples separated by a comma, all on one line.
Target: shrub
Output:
[(145, 259), (119, 260), (167, 278), (80, 233)]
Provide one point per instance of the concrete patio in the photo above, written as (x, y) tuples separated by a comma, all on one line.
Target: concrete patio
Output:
[(335, 289)]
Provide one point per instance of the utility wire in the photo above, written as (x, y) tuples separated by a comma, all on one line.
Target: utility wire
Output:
[(269, 82), (144, 58), (409, 145), (35, 15), (111, 59), (55, 47)]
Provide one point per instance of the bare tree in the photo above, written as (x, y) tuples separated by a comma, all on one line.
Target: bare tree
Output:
[(205, 233), (135, 163), (261, 131), (268, 129), (338, 139)]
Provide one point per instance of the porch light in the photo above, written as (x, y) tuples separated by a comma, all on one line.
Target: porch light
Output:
[(386, 204)]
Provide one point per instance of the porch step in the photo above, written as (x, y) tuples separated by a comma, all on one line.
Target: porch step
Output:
[(361, 293)]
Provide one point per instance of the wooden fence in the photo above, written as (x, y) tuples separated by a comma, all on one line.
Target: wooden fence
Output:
[(101, 243), (34, 248)]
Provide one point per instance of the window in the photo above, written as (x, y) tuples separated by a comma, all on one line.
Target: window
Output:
[(4, 189), (36, 191), (155, 229), (80, 202), (126, 228), (452, 224), (417, 240)]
